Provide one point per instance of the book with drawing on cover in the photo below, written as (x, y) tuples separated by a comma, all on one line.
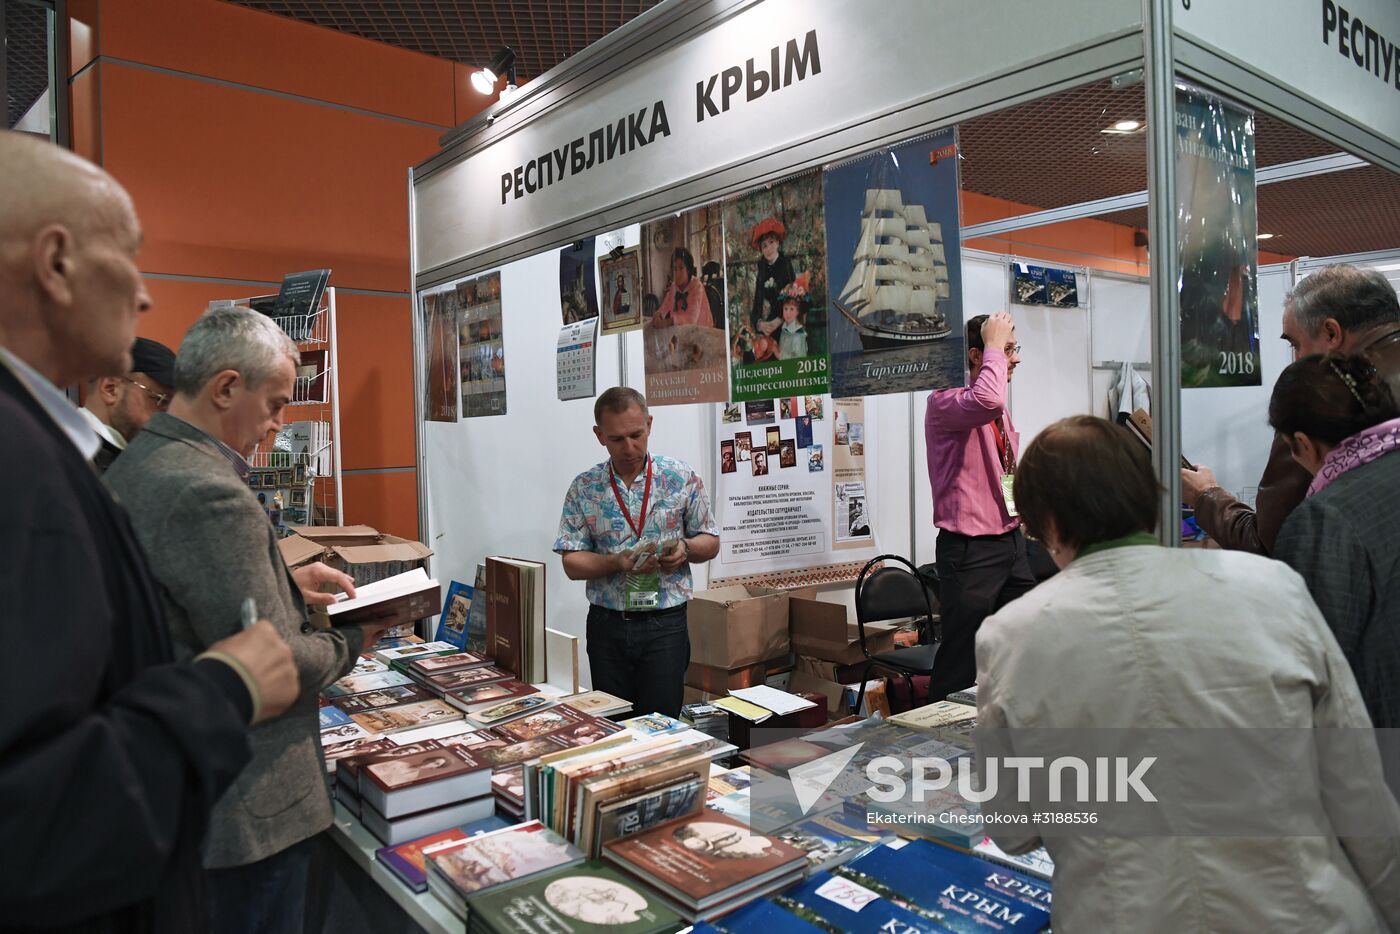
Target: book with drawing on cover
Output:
[(515, 616)]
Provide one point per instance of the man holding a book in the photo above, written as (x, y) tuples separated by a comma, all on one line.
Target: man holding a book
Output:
[(631, 527)]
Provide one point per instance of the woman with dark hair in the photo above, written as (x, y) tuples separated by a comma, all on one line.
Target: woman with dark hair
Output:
[(1343, 426), (773, 273), (685, 301), (1186, 655)]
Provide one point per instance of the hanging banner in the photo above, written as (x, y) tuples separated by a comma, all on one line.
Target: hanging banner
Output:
[(894, 256), (482, 348), (793, 500), (1217, 230), (621, 276), (578, 289), (683, 345), (440, 370), (775, 268)]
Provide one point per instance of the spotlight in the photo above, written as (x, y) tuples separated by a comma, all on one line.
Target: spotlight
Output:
[(502, 63)]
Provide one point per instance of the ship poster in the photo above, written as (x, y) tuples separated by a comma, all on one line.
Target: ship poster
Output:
[(775, 271), (896, 317)]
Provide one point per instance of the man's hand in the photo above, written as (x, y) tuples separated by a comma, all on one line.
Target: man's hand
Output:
[(268, 660), (626, 561), (1195, 482), (997, 330), (310, 577), (674, 556)]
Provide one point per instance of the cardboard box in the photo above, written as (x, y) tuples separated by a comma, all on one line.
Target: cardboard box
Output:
[(330, 535), (803, 682), (720, 681), (831, 671), (733, 627), (823, 631), (297, 550), (384, 557)]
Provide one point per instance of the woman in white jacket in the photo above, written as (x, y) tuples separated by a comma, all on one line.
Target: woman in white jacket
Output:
[(1189, 655)]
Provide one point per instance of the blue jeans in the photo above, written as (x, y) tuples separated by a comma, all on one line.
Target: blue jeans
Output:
[(266, 897), (640, 656)]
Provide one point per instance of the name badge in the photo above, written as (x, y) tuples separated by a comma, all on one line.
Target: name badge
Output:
[(1008, 482)]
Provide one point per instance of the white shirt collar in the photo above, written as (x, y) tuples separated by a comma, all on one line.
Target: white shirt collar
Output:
[(103, 429), (58, 406)]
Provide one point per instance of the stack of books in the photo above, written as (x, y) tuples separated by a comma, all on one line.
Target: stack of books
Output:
[(707, 718), (940, 716), (411, 791), (708, 865), (406, 717), (597, 703), (479, 864), (654, 723), (475, 699), (831, 839), (408, 861), (582, 899)]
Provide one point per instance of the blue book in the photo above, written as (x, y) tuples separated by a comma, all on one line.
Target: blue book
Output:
[(333, 717), (840, 906), (761, 917), (452, 625), (959, 901), (478, 637), (830, 839), (487, 825), (1003, 879)]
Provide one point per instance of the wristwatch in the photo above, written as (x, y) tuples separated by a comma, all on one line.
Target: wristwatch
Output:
[(685, 544)]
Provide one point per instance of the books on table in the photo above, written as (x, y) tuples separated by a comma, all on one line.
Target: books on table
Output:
[(653, 723), (395, 654), (935, 716), (598, 703), (394, 719), (426, 666), (395, 696), (405, 784), (413, 826), (1036, 863), (707, 864), (358, 684), (589, 898), (478, 864), (478, 697), (459, 679), (831, 839)]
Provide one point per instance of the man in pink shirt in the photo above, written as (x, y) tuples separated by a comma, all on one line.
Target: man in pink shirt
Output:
[(972, 449)]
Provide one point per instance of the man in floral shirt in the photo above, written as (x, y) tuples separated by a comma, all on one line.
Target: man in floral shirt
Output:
[(631, 527)]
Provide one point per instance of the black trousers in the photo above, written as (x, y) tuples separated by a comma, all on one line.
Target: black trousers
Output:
[(640, 656), (977, 575), (266, 897)]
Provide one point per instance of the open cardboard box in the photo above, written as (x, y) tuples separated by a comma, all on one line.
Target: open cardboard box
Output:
[(825, 631), (735, 627)]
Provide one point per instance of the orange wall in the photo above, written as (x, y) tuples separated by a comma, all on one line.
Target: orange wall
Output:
[(255, 146)]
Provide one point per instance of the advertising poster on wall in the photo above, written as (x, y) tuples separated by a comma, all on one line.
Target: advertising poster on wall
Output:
[(482, 347), (578, 289), (439, 322), (775, 271), (622, 295), (792, 516), (683, 348), (896, 301), (1217, 231)]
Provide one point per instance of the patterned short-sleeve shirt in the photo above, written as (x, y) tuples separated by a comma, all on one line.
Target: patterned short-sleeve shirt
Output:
[(593, 521)]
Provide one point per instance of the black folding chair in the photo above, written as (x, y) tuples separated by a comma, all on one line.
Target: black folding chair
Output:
[(892, 592)]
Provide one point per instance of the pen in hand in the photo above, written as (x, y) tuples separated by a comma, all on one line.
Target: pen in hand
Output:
[(250, 612)]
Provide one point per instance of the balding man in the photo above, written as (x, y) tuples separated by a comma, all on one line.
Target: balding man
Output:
[(117, 407), (111, 757)]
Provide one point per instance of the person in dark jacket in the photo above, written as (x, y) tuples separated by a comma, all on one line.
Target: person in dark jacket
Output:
[(117, 407), (1342, 424), (111, 757), (1339, 309)]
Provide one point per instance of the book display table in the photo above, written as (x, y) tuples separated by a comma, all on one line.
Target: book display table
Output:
[(359, 844)]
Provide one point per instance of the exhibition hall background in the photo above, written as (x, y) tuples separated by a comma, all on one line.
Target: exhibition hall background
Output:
[(255, 146)]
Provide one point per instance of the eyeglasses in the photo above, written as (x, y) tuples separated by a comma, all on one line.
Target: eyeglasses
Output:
[(1014, 349), (159, 398)]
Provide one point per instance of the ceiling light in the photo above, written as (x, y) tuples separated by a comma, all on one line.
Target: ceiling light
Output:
[(1265, 237), (502, 63), (1126, 126)]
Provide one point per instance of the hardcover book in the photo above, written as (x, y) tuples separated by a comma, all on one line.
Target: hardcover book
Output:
[(332, 716), (1002, 879), (650, 808), (516, 616), (509, 710), (509, 855), (393, 719), (452, 624), (830, 839), (541, 723), (703, 860), (343, 733), (395, 696), (654, 723), (367, 663), (478, 696), (1037, 863), (589, 899), (935, 715), (402, 653), (479, 639), (429, 665), (516, 753), (408, 861), (763, 917), (358, 684), (834, 903), (406, 784), (420, 824), (448, 682)]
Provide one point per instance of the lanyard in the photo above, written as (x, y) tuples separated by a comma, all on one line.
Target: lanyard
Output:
[(1008, 463), (641, 522)]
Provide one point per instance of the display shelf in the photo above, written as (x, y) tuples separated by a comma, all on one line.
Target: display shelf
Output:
[(360, 845)]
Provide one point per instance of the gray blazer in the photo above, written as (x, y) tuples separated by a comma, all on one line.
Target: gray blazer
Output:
[(210, 546)]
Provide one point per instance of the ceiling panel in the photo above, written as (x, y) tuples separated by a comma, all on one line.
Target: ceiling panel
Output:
[(26, 57)]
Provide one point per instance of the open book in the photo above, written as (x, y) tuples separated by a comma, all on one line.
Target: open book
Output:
[(403, 599), (1139, 425)]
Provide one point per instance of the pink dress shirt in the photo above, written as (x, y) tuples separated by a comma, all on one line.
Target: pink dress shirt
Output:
[(697, 310), (963, 465)]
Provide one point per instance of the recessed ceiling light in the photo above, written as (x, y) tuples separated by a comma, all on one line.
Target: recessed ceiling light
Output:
[(1126, 126), (1266, 236)]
